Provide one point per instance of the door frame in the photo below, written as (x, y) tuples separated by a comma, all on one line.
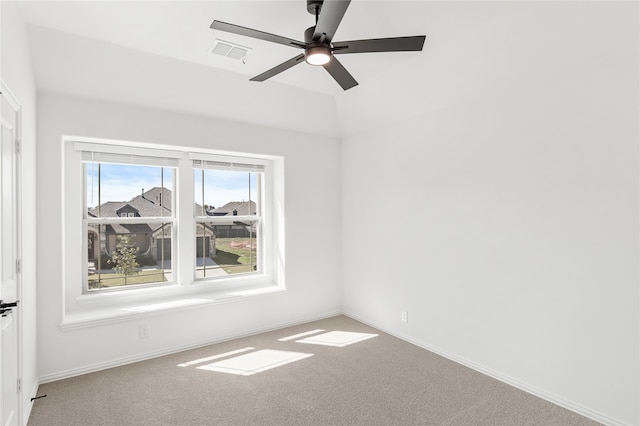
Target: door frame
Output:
[(12, 100)]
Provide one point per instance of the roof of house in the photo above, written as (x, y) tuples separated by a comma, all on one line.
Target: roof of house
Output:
[(128, 228), (152, 203), (242, 207)]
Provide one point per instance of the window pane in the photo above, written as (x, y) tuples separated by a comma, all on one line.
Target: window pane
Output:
[(128, 254), (224, 249), (226, 192), (121, 190)]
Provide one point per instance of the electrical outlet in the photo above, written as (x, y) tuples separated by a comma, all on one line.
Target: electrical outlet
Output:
[(145, 331), (404, 316)]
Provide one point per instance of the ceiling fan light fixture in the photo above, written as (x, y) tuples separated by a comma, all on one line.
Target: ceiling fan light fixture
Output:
[(317, 55)]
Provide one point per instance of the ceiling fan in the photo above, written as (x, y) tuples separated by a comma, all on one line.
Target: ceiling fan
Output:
[(318, 46)]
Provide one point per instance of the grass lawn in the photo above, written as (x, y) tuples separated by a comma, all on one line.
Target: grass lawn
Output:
[(234, 255), (117, 280)]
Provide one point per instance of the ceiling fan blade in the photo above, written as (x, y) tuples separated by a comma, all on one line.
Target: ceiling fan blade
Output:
[(340, 74), (331, 14), (278, 69), (261, 35), (394, 44)]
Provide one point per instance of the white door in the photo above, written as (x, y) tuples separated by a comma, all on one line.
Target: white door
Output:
[(9, 258)]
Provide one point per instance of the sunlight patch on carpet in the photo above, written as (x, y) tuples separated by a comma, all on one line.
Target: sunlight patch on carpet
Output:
[(338, 339), (211, 358), (297, 336), (255, 362)]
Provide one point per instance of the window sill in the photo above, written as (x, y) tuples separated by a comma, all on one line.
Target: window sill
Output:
[(108, 308)]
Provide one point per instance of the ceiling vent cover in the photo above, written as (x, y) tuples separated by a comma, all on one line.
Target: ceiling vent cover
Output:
[(230, 50)]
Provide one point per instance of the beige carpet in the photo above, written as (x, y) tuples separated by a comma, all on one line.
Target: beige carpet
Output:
[(360, 380)]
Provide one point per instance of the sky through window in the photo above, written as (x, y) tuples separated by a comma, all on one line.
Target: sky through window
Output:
[(121, 182)]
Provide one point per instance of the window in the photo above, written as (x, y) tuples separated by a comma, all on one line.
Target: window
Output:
[(129, 230), (228, 218), (176, 219)]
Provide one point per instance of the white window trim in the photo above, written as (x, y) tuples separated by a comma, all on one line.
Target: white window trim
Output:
[(84, 310)]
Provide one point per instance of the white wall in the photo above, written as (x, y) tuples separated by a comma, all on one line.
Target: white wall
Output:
[(92, 68), (502, 211), (16, 71), (312, 197)]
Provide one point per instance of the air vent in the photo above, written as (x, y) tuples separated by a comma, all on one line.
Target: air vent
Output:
[(230, 50)]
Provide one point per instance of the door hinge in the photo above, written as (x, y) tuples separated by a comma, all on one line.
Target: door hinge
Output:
[(19, 385), (18, 146), (18, 266)]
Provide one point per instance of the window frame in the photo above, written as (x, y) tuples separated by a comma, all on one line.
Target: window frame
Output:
[(127, 218), (80, 306), (263, 185)]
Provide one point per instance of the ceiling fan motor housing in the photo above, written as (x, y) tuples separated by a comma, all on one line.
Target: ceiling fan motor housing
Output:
[(308, 34), (315, 48)]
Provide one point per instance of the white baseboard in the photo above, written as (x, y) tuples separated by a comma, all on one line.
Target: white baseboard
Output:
[(533, 390), (175, 349)]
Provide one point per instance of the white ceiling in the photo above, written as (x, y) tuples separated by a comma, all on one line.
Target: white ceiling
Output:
[(180, 29), (95, 48)]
